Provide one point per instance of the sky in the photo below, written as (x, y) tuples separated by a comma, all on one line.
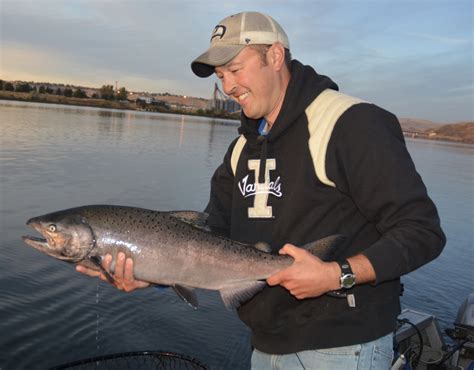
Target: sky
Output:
[(412, 57)]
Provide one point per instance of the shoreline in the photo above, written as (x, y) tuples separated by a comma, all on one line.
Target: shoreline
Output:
[(131, 106), (100, 103)]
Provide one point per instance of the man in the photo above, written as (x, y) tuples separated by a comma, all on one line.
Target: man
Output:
[(311, 162)]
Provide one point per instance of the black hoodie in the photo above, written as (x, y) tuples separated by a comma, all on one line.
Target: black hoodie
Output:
[(369, 191)]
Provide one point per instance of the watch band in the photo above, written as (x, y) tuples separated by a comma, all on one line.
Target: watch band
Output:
[(347, 278)]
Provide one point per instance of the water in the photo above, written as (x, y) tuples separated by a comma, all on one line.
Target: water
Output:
[(54, 157)]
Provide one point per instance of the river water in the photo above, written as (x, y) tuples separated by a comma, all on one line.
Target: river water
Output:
[(54, 157)]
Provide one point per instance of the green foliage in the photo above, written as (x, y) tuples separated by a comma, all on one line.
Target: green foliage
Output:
[(23, 87), (2, 84), (122, 94), (9, 87), (68, 91), (42, 89), (79, 94), (107, 92)]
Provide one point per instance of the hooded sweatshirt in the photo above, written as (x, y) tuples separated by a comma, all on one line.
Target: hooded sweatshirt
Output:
[(306, 180)]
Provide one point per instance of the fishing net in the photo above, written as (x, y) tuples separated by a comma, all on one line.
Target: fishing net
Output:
[(136, 360)]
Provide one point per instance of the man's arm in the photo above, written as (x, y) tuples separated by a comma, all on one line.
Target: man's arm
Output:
[(310, 277), (220, 199), (368, 160)]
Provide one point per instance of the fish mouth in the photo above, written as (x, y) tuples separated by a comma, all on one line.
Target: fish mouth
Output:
[(41, 243), (37, 243)]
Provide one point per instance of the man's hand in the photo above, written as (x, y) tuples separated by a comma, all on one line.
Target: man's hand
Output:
[(308, 276), (123, 276)]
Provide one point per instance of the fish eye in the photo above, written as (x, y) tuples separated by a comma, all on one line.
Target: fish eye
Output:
[(52, 228)]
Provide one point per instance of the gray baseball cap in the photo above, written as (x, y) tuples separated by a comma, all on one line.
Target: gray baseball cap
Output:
[(234, 33)]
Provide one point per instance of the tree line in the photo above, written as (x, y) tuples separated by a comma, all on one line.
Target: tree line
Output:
[(105, 92)]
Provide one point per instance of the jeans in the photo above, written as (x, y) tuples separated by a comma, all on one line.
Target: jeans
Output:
[(375, 355)]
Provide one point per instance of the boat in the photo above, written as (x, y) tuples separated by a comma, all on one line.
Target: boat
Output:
[(419, 342)]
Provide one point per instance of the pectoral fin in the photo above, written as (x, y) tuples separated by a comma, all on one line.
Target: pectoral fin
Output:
[(234, 295), (187, 294), (97, 261)]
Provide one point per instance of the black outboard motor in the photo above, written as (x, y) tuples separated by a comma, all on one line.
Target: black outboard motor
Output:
[(463, 334)]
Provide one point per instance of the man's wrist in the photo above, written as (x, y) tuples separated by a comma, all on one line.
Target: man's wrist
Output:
[(335, 276), (347, 278)]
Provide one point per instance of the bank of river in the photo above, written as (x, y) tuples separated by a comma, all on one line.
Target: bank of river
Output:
[(34, 97)]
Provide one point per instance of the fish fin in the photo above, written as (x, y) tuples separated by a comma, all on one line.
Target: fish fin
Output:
[(263, 247), (96, 260), (187, 294), (327, 248), (234, 295), (194, 218)]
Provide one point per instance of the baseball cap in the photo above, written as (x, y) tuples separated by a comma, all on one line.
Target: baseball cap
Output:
[(233, 34)]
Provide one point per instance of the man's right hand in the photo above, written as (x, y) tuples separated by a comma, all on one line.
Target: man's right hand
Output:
[(123, 275)]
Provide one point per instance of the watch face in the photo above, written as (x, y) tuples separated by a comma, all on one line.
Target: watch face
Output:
[(348, 281)]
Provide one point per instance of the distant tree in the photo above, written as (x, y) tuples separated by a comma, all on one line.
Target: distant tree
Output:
[(95, 96), (42, 90), (2, 85), (68, 92), (79, 94), (23, 87), (9, 87), (48, 90), (122, 94), (107, 92), (59, 91)]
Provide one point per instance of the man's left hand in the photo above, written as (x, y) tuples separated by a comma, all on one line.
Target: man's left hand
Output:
[(308, 276)]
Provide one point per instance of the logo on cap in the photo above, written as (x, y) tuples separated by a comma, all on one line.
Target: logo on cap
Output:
[(219, 31)]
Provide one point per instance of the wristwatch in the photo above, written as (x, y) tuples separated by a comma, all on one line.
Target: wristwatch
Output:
[(348, 278)]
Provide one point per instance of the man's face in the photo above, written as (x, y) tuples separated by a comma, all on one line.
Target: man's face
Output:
[(251, 83)]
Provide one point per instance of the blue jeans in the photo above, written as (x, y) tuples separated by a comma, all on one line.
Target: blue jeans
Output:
[(376, 355)]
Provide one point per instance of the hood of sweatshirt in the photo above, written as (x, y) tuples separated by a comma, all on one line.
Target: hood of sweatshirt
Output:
[(304, 86)]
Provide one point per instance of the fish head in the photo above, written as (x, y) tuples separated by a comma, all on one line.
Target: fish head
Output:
[(65, 236)]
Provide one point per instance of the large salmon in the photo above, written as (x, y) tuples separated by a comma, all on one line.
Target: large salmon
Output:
[(168, 248)]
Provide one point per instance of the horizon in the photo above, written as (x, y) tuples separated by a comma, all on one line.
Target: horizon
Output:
[(413, 57)]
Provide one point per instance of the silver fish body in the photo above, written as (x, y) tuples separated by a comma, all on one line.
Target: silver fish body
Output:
[(168, 248)]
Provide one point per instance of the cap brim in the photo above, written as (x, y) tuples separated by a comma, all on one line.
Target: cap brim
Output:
[(203, 65)]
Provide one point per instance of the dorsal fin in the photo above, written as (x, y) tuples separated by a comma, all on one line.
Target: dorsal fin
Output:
[(194, 218)]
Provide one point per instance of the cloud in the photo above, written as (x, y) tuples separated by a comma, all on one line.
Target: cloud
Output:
[(395, 53), (440, 39)]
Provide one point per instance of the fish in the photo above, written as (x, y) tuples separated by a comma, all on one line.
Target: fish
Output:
[(170, 248)]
